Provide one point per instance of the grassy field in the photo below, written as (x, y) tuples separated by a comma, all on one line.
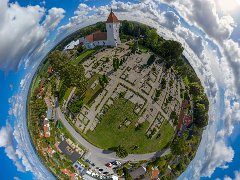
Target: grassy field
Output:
[(82, 56), (67, 93), (107, 134), (90, 92), (143, 48)]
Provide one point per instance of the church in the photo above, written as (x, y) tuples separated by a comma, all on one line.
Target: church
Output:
[(109, 38)]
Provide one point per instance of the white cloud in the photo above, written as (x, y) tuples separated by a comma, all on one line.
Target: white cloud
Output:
[(21, 31), (55, 15), (219, 156), (6, 141)]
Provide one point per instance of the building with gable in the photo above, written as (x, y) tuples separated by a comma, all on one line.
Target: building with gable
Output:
[(98, 38)]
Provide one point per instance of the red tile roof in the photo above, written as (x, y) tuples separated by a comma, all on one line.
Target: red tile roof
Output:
[(112, 18), (187, 120), (99, 36), (89, 38), (155, 173), (67, 172)]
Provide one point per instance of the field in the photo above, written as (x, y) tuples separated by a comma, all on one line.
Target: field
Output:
[(82, 56), (108, 134)]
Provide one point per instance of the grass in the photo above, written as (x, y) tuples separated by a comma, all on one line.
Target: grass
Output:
[(108, 135), (91, 92), (67, 93), (143, 48), (35, 84), (84, 55), (186, 82)]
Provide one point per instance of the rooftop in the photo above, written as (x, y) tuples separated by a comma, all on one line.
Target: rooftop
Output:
[(112, 18), (69, 151), (138, 172)]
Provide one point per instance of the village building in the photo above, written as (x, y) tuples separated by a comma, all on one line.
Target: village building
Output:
[(50, 151), (72, 151), (137, 173), (46, 128), (109, 38)]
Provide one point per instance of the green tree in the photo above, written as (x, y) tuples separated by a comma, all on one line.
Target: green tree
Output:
[(170, 51), (152, 38), (151, 60), (179, 146), (200, 116), (121, 151)]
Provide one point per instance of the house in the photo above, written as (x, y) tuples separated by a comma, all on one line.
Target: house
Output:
[(187, 120), (50, 151), (72, 45), (56, 145), (46, 128), (69, 173), (137, 173), (155, 174), (109, 38), (69, 151), (49, 113)]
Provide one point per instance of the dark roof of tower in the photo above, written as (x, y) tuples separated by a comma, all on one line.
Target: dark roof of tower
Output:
[(112, 18)]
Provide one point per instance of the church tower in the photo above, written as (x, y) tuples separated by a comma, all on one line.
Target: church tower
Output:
[(112, 26)]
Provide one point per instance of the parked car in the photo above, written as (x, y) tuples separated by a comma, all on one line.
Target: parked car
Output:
[(109, 165), (116, 163)]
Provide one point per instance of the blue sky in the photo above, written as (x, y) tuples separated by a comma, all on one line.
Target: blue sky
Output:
[(202, 37)]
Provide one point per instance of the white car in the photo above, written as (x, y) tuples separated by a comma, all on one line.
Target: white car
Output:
[(116, 163)]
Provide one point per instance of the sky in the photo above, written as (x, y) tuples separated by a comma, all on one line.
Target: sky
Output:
[(208, 29)]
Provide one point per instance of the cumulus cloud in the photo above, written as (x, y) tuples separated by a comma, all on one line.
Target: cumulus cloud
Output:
[(171, 20), (6, 141), (220, 155), (55, 15), (21, 31)]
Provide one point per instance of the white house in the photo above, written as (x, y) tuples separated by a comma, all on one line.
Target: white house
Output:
[(109, 38)]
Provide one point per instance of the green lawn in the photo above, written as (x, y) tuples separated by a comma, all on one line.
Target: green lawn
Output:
[(82, 56), (107, 134), (143, 48), (91, 92), (35, 84), (67, 93), (186, 81)]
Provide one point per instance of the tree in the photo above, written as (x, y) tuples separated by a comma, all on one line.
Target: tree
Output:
[(151, 60), (76, 106), (200, 116), (121, 151), (116, 64), (152, 38), (179, 146), (170, 51), (195, 89), (134, 47), (139, 127), (163, 83), (158, 93), (103, 80)]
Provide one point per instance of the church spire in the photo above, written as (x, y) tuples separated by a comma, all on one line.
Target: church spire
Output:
[(112, 18)]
